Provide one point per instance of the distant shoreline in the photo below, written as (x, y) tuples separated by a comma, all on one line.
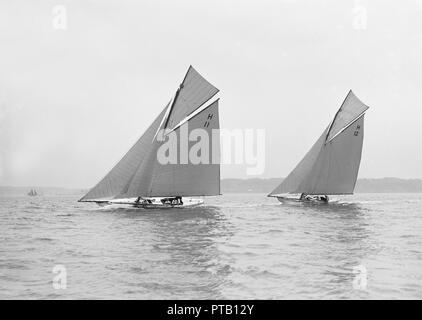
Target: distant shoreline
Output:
[(253, 185), (380, 185)]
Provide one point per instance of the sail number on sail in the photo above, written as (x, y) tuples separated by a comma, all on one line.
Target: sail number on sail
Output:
[(356, 133)]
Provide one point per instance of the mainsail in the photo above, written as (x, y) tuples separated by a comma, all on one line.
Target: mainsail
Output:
[(331, 166), (139, 173), (155, 179)]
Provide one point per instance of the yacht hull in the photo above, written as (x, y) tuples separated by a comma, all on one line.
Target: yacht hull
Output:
[(285, 200), (154, 203)]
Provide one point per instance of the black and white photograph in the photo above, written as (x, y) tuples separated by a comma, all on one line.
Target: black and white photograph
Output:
[(210, 151)]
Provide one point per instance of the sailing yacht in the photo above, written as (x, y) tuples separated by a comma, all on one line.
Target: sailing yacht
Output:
[(331, 166), (32, 193), (141, 180)]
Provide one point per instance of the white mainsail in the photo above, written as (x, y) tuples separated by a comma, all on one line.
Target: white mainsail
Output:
[(331, 166), (139, 173)]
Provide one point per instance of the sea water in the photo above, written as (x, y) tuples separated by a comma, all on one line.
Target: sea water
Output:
[(236, 246)]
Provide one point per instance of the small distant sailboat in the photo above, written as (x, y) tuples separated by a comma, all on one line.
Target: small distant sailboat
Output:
[(139, 179), (32, 193), (331, 166)]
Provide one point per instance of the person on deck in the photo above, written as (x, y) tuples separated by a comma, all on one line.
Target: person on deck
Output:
[(179, 200), (324, 198)]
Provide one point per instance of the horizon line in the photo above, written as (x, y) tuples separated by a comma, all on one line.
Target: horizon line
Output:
[(259, 178)]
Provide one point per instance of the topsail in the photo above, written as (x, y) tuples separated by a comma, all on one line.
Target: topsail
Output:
[(331, 166), (140, 173), (191, 95)]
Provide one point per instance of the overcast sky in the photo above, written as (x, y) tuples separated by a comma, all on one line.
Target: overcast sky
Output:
[(73, 101)]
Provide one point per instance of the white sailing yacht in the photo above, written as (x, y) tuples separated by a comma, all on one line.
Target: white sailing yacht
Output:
[(331, 166), (141, 180)]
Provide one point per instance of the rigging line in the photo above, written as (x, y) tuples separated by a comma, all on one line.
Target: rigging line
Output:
[(172, 105), (162, 120), (176, 96), (335, 117)]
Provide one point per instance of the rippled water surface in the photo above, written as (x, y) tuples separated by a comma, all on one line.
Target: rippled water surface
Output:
[(236, 246)]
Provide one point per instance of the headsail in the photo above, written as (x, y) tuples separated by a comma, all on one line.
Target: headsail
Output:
[(332, 164), (292, 182), (123, 171), (140, 174)]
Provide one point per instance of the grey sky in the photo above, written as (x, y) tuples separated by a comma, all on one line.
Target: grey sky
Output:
[(73, 101)]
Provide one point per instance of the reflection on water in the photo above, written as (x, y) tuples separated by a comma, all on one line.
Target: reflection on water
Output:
[(236, 246), (184, 249), (343, 233)]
